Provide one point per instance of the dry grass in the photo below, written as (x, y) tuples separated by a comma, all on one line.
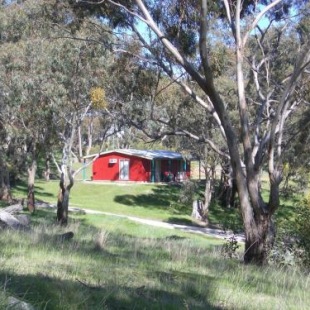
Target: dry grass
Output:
[(116, 264)]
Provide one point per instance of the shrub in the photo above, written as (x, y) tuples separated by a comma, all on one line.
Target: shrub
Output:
[(230, 247), (286, 251), (303, 228), (189, 192), (292, 246)]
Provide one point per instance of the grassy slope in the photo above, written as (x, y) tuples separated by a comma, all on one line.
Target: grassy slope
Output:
[(148, 201), (115, 264), (142, 200)]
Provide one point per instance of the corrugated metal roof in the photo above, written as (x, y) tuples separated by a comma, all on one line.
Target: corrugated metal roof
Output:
[(148, 154)]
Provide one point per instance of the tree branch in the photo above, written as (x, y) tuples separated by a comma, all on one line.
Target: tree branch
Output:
[(278, 122), (176, 54), (129, 11), (257, 19), (207, 105), (56, 164)]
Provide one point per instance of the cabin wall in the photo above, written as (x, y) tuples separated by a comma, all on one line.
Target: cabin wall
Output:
[(103, 169), (107, 168)]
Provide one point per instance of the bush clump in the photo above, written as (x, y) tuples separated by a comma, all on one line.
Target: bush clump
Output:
[(303, 228), (189, 192), (292, 246)]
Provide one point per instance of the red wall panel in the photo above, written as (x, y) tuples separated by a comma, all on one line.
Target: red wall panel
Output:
[(139, 168)]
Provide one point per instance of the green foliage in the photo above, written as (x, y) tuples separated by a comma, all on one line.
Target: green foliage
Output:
[(230, 247), (303, 227), (46, 77), (286, 252), (97, 96), (189, 192), (292, 244)]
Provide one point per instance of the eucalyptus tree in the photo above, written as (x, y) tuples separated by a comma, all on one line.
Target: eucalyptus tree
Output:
[(81, 70), (46, 79), (29, 86), (23, 102), (157, 107), (176, 36)]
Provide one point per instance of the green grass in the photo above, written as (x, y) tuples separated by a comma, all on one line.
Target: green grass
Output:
[(151, 201), (112, 263), (141, 200)]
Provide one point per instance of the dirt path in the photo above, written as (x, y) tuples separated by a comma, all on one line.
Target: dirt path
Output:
[(217, 233)]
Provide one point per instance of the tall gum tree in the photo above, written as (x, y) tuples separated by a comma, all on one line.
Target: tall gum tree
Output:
[(46, 75), (170, 28)]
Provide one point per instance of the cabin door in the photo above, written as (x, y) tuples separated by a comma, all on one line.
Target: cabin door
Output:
[(124, 169)]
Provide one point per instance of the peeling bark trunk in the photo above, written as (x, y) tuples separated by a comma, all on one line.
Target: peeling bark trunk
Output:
[(197, 210), (207, 199), (31, 178), (63, 199)]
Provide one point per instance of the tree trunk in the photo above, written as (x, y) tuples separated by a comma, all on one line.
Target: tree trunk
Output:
[(5, 189), (47, 171), (63, 199), (207, 199), (209, 172), (200, 210), (197, 210), (31, 178), (257, 246), (89, 137), (31, 198), (258, 225), (227, 188), (256, 215), (63, 206), (80, 144)]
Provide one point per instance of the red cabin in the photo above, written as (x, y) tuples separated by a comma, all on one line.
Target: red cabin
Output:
[(140, 165)]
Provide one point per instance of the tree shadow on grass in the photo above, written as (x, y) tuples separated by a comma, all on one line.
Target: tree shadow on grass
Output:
[(145, 200), (161, 197), (184, 221), (50, 293), (225, 218), (50, 288), (22, 187)]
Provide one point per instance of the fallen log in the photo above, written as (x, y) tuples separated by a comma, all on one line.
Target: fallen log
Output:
[(13, 208), (7, 220)]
